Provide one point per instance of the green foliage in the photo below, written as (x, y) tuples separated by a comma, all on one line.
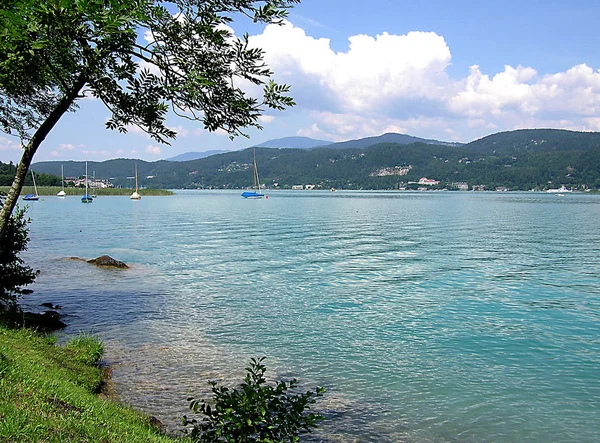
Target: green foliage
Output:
[(255, 412), (88, 349), (51, 50), (14, 274)]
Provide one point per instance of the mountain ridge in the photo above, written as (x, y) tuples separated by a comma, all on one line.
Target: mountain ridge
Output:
[(523, 159)]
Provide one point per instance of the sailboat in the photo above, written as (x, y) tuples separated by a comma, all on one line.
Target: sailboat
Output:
[(86, 197), (256, 193), (135, 195), (34, 196), (62, 193)]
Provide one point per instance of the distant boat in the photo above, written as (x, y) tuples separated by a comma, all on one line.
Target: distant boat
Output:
[(86, 197), (256, 193), (62, 176), (34, 196), (135, 195), (560, 190)]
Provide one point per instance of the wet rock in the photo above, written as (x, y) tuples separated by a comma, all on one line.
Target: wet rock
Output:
[(106, 261), (75, 259), (47, 322), (51, 306), (156, 423)]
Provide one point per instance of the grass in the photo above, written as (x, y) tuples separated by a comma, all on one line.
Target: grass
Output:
[(53, 190), (49, 394)]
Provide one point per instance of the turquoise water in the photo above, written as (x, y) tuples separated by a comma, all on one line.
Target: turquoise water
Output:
[(429, 317)]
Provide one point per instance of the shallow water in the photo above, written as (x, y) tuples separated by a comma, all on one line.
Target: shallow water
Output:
[(429, 317)]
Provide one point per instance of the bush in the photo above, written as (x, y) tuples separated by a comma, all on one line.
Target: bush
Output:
[(13, 272), (256, 412)]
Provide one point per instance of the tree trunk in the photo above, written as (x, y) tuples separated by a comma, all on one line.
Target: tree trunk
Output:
[(30, 149)]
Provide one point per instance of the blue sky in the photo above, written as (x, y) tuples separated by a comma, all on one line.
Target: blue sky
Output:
[(454, 71)]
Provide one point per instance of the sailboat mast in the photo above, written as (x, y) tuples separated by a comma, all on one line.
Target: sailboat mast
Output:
[(136, 180), (34, 186), (62, 177), (86, 179), (256, 179)]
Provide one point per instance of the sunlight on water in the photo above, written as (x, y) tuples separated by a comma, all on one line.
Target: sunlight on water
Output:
[(428, 316)]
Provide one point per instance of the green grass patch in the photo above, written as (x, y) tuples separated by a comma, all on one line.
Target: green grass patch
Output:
[(53, 190), (48, 393)]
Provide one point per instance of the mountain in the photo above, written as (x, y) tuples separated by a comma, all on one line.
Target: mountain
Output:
[(523, 159), (286, 142), (293, 142), (390, 137), (536, 140), (193, 156)]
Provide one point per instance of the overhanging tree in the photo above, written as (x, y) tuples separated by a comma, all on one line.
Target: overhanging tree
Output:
[(55, 52)]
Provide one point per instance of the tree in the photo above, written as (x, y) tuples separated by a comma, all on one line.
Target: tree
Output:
[(256, 412), (13, 273), (55, 52)]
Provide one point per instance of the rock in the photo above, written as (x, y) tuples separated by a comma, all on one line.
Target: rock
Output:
[(47, 322), (51, 306), (156, 423), (108, 262)]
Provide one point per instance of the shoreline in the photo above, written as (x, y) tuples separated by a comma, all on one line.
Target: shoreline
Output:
[(51, 191)]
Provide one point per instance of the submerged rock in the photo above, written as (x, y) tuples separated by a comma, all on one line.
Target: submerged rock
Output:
[(106, 261), (49, 321)]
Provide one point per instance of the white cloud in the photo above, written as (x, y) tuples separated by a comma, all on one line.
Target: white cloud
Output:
[(400, 82), (66, 147), (154, 150), (373, 73), (180, 130), (7, 144), (266, 119)]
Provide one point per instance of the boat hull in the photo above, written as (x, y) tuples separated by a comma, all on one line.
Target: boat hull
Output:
[(31, 197), (252, 195)]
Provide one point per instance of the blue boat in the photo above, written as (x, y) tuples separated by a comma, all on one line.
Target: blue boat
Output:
[(256, 193), (86, 197), (252, 194), (34, 196), (31, 197)]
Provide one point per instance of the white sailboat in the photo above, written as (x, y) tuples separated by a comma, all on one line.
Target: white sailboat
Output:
[(34, 196), (86, 198), (136, 195), (62, 193)]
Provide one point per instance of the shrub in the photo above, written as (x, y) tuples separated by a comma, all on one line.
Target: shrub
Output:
[(13, 272), (255, 412)]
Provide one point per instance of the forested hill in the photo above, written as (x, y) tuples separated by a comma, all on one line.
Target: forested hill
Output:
[(536, 140), (402, 139), (538, 159)]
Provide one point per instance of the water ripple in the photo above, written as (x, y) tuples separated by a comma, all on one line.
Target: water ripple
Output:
[(430, 317)]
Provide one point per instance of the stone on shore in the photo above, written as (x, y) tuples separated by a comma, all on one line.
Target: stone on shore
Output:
[(106, 261)]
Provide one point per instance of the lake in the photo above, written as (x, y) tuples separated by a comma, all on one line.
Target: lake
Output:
[(428, 316)]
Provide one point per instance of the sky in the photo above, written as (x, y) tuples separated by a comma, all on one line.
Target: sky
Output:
[(451, 71)]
